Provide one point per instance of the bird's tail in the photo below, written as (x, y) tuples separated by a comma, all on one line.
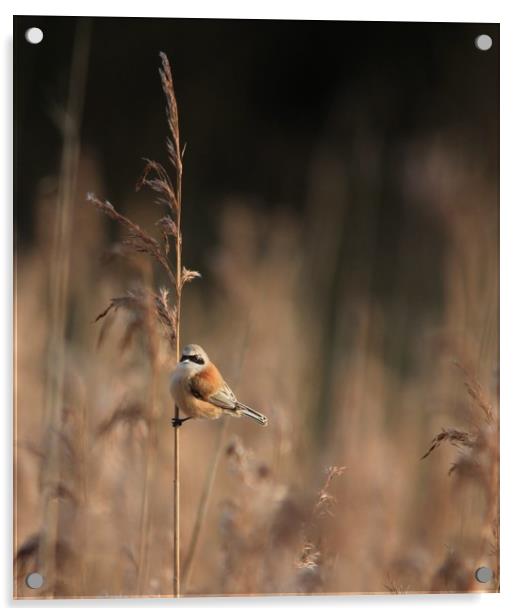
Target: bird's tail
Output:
[(252, 413)]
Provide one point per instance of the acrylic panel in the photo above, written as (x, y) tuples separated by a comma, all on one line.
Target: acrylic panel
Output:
[(256, 307)]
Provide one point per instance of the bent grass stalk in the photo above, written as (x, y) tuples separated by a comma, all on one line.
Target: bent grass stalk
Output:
[(209, 483), (204, 502)]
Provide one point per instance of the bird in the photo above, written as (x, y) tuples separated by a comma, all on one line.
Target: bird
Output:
[(200, 391)]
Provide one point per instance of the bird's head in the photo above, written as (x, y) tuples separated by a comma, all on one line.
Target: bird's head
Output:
[(194, 354)]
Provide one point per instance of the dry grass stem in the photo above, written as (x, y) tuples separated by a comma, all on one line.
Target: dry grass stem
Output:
[(157, 179)]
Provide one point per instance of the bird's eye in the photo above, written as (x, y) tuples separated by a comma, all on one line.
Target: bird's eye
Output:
[(196, 359)]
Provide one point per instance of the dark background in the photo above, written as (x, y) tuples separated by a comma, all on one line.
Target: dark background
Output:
[(254, 97)]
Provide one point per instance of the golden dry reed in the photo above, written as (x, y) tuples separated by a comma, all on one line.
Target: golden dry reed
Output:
[(146, 304)]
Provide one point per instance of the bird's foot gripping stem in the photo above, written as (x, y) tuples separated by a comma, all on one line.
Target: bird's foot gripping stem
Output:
[(177, 422)]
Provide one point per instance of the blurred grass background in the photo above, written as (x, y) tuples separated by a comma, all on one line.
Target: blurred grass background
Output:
[(341, 203)]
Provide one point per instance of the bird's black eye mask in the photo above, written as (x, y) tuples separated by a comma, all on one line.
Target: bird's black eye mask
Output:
[(196, 359)]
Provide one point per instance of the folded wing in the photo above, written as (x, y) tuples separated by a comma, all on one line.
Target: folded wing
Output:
[(203, 386), (208, 385)]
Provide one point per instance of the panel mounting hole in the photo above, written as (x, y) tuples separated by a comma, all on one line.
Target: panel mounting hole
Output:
[(34, 580), (483, 574), (34, 36), (483, 42)]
